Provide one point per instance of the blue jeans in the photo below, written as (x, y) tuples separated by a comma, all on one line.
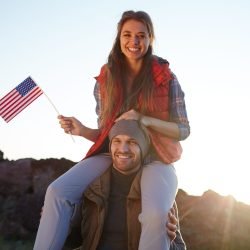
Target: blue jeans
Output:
[(158, 190)]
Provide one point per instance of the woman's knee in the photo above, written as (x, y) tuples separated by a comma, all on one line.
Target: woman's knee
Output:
[(54, 190), (154, 218)]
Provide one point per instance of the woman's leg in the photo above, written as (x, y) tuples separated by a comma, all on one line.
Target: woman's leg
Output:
[(60, 198), (158, 188)]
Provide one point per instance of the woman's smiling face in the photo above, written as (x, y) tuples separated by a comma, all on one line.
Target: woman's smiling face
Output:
[(134, 40)]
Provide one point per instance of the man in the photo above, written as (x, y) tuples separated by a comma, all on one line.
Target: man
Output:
[(112, 203)]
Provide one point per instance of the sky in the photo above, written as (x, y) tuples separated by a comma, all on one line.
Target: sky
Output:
[(62, 45)]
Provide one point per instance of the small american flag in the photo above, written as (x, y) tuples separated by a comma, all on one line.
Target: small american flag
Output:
[(19, 98)]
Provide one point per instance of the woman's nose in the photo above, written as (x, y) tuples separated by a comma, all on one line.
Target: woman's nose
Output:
[(135, 40)]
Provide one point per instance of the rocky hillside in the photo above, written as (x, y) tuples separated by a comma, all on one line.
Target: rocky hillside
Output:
[(208, 222)]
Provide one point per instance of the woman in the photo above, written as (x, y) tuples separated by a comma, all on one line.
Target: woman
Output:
[(134, 84)]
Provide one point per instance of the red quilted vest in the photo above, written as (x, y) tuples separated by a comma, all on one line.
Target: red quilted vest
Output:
[(169, 150)]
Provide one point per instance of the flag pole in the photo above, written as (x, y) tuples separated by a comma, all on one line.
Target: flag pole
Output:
[(53, 106)]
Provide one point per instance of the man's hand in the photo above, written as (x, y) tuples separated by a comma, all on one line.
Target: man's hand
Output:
[(172, 224)]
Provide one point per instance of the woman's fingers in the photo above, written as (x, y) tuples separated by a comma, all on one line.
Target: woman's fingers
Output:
[(66, 123), (129, 115)]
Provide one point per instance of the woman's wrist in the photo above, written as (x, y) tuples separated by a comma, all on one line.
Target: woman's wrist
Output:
[(82, 131), (145, 120)]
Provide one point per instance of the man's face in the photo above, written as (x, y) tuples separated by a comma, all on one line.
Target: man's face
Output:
[(126, 154)]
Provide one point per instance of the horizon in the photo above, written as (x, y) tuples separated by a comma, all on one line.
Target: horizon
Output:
[(62, 46), (200, 195), (229, 196)]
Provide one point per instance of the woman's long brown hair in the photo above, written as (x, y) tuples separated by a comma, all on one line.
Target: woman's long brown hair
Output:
[(115, 87)]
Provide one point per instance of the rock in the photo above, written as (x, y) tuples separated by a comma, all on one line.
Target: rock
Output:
[(15, 177), (45, 171), (23, 184)]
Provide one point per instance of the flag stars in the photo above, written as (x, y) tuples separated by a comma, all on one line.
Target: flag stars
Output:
[(26, 86)]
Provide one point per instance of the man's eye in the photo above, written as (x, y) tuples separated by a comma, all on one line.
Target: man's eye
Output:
[(133, 142)]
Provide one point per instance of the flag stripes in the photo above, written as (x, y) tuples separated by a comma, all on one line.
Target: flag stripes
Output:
[(18, 99)]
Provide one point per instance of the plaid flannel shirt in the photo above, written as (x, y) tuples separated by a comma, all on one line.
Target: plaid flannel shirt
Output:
[(178, 113)]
